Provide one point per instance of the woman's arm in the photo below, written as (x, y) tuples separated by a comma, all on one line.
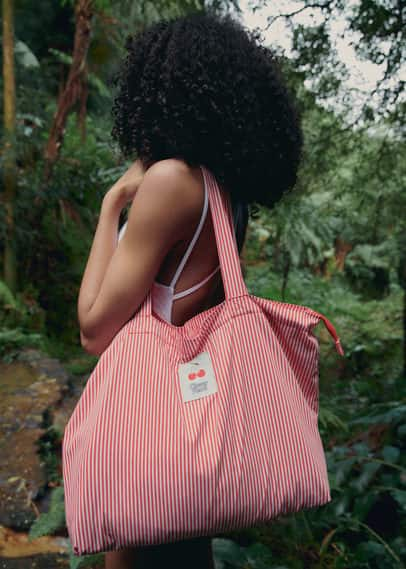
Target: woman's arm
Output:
[(102, 249), (105, 239), (118, 276)]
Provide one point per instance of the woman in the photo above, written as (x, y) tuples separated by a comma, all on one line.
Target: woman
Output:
[(198, 89)]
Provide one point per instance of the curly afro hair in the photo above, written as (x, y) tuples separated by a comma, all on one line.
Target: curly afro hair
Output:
[(202, 89)]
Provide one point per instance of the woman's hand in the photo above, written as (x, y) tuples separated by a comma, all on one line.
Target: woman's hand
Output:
[(126, 187)]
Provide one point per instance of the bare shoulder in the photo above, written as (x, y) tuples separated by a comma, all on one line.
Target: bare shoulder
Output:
[(176, 173), (170, 194), (175, 182)]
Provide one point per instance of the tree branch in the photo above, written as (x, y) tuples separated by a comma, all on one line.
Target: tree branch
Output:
[(321, 6)]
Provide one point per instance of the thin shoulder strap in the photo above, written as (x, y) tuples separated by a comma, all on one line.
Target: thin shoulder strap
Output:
[(193, 241), (196, 286)]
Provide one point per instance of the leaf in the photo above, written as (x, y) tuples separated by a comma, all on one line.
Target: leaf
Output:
[(328, 418), (6, 296), (362, 449), (390, 453), (342, 469), (259, 556), (100, 86), (61, 56), (369, 470), (227, 552), (341, 506), (49, 522), (25, 56), (363, 504), (370, 549), (401, 432), (38, 121), (400, 497), (13, 478), (398, 412), (326, 541)]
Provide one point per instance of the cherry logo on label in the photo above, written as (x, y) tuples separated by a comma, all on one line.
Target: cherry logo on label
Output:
[(200, 373)]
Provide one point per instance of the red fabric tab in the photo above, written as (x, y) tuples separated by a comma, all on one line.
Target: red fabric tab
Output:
[(333, 332)]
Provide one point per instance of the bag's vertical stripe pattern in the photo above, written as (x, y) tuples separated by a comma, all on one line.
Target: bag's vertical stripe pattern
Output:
[(142, 467)]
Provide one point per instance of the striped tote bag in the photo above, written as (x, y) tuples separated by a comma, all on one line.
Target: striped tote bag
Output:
[(199, 429)]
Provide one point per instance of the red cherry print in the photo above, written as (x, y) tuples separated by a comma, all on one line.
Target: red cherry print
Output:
[(192, 376), (201, 373)]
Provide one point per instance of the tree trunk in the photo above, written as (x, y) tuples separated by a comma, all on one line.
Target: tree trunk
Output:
[(9, 151), (341, 250), (81, 115), (75, 84)]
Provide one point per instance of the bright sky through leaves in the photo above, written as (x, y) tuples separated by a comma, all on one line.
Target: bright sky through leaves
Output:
[(362, 74)]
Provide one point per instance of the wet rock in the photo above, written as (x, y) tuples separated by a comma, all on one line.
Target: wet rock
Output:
[(30, 389), (36, 392)]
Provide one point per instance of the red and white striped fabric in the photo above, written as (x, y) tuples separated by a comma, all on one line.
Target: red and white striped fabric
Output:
[(144, 464)]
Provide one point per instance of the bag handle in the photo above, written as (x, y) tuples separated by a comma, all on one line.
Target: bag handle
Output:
[(226, 241)]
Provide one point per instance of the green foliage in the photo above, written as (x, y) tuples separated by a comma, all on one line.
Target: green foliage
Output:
[(81, 365), (21, 322), (53, 520), (7, 299), (329, 421), (370, 331), (367, 477), (228, 554), (93, 79), (12, 340), (299, 234), (53, 248), (48, 444), (366, 263), (21, 309), (78, 562)]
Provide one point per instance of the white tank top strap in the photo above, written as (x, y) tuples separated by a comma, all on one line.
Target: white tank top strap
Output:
[(193, 241), (196, 286)]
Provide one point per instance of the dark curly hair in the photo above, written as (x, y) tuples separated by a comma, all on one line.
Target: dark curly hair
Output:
[(202, 89)]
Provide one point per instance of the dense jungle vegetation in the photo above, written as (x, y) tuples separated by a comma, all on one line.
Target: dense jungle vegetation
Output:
[(337, 243)]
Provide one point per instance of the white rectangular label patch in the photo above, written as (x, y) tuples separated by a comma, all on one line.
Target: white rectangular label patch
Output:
[(197, 377)]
